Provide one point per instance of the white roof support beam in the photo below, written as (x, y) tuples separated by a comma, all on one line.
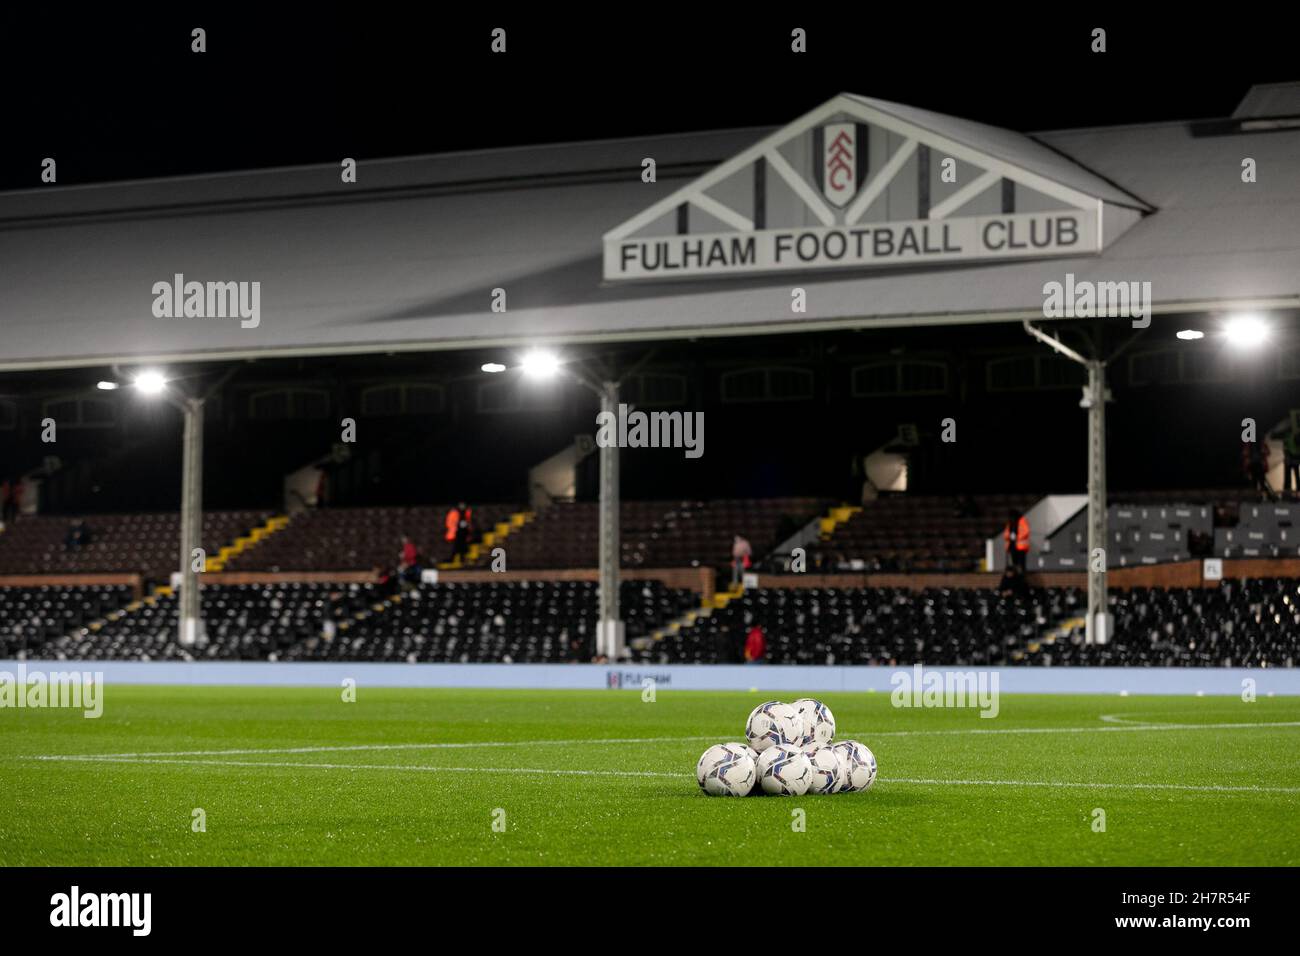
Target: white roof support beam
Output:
[(724, 213), (799, 186), (964, 195), (879, 182)]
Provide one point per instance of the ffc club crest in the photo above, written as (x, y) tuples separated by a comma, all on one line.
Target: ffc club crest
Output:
[(839, 162)]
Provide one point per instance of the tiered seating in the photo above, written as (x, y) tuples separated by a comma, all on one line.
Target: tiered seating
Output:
[(144, 543), (358, 539), (243, 622), (657, 533), (871, 626), (917, 533), (1250, 623), (29, 617), (519, 621)]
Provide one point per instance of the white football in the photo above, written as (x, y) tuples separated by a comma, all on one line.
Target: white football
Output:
[(784, 771), (726, 770), (753, 756), (827, 766), (817, 721), (859, 766), (773, 724)]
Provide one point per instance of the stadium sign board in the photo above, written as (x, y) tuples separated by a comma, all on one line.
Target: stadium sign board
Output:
[(849, 186)]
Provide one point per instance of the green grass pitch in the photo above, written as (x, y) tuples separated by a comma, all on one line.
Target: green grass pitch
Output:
[(419, 776)]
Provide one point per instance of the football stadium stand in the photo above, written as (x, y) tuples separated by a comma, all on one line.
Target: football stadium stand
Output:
[(508, 621), (917, 533), (31, 617), (659, 534), (301, 588), (1247, 623), (358, 539), (142, 543)]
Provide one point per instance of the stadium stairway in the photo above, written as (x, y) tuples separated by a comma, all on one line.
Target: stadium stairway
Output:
[(835, 517), (1062, 630), (227, 551), (489, 540), (243, 543), (718, 601)]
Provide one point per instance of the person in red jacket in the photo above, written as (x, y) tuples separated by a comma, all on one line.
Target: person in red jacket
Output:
[(755, 646), (408, 566), (1015, 536)]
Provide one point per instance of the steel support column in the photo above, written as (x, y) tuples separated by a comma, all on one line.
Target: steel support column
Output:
[(190, 616), (1098, 626), (609, 629)]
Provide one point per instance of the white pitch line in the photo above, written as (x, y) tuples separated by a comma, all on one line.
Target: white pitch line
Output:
[(1109, 728), (1208, 788), (344, 748), (542, 771), (424, 768)]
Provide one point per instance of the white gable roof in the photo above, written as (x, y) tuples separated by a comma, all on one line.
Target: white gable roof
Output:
[(408, 260)]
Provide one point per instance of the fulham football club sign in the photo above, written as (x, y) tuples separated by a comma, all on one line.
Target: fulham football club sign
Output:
[(859, 183), (839, 149)]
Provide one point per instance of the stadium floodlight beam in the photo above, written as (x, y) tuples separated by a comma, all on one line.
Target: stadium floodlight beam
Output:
[(106, 386), (1246, 330), (492, 367), (539, 364), (1190, 335), (150, 383)]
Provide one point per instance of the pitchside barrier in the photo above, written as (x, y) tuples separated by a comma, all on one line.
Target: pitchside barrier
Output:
[(1208, 681)]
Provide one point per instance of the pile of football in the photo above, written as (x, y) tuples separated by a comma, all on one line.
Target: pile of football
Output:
[(789, 753)]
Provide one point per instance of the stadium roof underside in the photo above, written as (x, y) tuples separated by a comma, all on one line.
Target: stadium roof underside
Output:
[(408, 256)]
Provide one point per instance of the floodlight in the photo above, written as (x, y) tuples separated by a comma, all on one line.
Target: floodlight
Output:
[(540, 364)]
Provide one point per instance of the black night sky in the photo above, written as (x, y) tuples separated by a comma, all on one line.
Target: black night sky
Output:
[(122, 97)]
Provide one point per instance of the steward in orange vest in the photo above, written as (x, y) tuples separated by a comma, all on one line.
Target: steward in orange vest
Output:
[(458, 526), (1017, 542)]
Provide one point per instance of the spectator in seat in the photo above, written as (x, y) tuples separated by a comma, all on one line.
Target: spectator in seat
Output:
[(408, 568), (4, 501), (741, 558), (755, 646), (1015, 537), (77, 536)]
